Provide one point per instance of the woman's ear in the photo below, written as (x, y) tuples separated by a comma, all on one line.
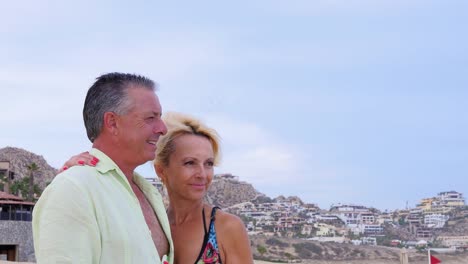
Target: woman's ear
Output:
[(160, 172)]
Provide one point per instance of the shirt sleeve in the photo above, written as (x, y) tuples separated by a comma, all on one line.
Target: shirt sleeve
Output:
[(65, 229)]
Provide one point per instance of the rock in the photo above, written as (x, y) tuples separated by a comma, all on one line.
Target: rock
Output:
[(19, 160)]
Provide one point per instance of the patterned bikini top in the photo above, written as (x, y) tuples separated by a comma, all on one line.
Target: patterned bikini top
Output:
[(209, 253)]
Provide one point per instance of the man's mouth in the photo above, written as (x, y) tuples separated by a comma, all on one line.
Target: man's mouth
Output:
[(152, 142)]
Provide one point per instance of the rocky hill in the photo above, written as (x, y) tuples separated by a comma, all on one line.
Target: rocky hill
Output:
[(19, 160), (226, 190)]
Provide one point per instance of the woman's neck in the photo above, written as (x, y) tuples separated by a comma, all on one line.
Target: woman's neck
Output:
[(180, 212)]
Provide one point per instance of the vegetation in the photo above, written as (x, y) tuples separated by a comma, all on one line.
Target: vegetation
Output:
[(384, 240), (262, 199), (261, 249), (32, 168), (276, 242), (2, 181), (401, 221), (22, 187), (353, 236), (288, 255), (307, 250)]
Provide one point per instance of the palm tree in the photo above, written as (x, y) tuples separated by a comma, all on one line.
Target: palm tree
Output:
[(31, 168)]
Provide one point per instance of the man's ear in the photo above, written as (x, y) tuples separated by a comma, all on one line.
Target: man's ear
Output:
[(110, 122)]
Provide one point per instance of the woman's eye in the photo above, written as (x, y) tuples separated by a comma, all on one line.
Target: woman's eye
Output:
[(189, 163)]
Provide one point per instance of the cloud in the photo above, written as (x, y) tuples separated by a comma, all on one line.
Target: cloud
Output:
[(255, 154), (251, 152)]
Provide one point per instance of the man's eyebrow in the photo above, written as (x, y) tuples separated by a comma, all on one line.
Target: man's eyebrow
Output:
[(153, 113)]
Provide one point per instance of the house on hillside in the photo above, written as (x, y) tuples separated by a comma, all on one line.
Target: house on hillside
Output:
[(454, 241), (6, 176)]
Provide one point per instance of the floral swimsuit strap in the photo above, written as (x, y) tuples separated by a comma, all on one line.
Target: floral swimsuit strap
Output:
[(209, 253)]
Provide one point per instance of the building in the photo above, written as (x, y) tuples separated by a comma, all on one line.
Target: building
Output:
[(369, 241), (454, 241), (307, 230), (426, 204), (424, 232), (443, 203), (371, 230), (6, 176), (353, 215), (324, 230), (435, 220), (16, 240), (451, 199)]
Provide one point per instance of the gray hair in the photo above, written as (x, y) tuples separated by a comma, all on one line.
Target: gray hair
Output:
[(110, 94)]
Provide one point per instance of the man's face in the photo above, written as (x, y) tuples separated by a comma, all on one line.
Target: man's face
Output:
[(140, 128)]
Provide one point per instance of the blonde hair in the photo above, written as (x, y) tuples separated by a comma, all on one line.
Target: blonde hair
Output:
[(181, 124)]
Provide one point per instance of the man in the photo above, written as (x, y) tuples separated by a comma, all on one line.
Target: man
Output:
[(107, 213)]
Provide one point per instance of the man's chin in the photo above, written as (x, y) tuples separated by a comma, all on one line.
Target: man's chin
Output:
[(150, 157)]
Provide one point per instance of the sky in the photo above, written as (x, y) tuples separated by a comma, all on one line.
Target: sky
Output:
[(360, 102)]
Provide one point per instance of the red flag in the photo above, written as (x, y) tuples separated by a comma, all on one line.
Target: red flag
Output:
[(435, 260)]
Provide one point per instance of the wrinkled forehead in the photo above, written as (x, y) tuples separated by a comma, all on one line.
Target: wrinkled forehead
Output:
[(143, 100)]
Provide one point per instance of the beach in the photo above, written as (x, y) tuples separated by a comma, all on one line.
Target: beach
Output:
[(446, 259)]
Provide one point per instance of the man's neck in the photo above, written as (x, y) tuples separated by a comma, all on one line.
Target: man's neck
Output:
[(116, 155)]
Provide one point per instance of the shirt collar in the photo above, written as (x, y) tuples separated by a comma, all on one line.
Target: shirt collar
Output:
[(105, 163)]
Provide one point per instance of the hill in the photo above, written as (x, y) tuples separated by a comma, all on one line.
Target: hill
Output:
[(226, 190), (19, 160), (287, 250)]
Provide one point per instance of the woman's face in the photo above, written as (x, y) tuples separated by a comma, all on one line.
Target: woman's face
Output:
[(190, 168)]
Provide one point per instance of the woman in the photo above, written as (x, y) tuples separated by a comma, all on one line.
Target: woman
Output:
[(184, 162)]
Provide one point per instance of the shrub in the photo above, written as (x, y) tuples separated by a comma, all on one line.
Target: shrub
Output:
[(276, 242), (306, 250), (261, 249)]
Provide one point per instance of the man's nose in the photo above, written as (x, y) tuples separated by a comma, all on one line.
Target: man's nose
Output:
[(160, 128)]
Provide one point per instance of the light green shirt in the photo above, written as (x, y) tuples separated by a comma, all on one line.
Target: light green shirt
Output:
[(91, 215)]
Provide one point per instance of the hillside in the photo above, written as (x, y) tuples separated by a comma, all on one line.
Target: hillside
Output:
[(19, 160), (226, 191), (457, 226), (287, 250)]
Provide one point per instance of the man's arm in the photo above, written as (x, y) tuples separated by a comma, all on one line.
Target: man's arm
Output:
[(64, 225)]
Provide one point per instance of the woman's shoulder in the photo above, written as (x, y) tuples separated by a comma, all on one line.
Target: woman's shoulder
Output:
[(232, 238), (227, 222)]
